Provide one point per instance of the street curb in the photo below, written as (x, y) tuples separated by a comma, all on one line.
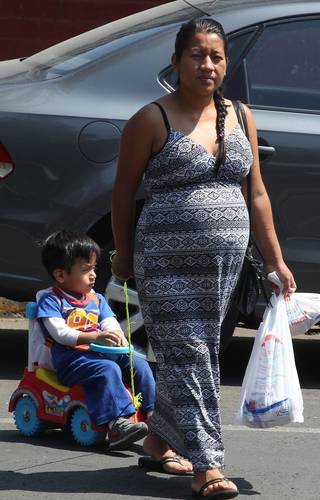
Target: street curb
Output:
[(14, 324), (10, 323)]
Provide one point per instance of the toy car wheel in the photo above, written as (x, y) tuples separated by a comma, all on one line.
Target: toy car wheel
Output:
[(81, 429), (26, 419)]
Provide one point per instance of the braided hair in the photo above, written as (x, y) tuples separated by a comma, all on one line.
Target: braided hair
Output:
[(185, 34)]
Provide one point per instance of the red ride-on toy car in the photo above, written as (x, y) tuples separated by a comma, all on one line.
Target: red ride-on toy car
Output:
[(41, 401)]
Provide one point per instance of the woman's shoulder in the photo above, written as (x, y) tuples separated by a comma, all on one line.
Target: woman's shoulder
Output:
[(148, 116), (150, 111), (245, 107)]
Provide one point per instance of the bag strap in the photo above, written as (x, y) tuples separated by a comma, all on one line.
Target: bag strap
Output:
[(242, 119)]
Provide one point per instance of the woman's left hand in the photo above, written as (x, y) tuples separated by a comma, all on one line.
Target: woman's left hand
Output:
[(285, 276)]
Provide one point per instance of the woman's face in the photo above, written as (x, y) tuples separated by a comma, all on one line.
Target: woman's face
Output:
[(202, 66)]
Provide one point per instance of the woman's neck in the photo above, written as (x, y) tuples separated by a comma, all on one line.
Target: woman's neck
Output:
[(195, 103)]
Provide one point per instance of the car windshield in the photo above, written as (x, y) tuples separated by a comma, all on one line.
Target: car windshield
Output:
[(81, 50), (45, 68)]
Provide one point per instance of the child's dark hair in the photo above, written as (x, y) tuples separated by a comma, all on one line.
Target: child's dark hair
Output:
[(185, 34), (61, 249)]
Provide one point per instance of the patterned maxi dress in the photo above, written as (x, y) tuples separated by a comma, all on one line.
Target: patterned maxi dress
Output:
[(190, 242)]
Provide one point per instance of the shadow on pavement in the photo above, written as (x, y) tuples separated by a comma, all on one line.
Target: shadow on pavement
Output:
[(60, 440), (137, 483)]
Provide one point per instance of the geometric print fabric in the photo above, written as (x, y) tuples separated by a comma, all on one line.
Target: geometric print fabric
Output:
[(190, 242)]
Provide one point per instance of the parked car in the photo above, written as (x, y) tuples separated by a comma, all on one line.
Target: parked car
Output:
[(63, 110)]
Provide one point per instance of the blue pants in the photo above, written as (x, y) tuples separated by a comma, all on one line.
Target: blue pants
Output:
[(103, 381)]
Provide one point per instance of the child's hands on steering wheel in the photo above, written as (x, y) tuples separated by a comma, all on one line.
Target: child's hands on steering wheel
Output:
[(114, 338)]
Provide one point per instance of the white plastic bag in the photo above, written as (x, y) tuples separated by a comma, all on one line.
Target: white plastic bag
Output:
[(270, 393), (303, 309)]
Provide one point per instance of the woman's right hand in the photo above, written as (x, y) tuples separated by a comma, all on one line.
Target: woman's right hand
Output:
[(122, 268)]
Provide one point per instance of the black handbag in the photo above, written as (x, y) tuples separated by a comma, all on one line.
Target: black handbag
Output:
[(251, 280)]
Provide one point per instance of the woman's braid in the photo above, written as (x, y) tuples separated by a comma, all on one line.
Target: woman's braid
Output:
[(221, 109)]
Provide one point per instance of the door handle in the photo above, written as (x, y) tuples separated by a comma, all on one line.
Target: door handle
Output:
[(265, 151)]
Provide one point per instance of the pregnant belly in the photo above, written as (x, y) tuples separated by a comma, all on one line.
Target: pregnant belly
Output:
[(199, 211)]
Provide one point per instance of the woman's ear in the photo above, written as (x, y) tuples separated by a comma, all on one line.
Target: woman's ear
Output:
[(58, 275), (174, 61)]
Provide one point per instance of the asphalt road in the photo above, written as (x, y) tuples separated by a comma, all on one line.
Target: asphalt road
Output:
[(275, 464)]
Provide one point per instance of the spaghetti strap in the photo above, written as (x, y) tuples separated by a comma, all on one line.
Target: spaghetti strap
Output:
[(164, 116)]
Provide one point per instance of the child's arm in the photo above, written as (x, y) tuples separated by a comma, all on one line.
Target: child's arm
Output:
[(63, 334)]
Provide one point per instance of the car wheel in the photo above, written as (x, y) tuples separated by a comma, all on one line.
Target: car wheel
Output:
[(103, 271), (227, 328)]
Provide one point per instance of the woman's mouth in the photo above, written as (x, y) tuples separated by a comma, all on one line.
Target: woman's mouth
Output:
[(206, 78)]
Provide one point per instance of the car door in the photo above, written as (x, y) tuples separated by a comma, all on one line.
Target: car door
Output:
[(279, 77)]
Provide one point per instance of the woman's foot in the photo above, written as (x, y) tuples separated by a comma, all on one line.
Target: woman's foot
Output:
[(200, 478), (159, 450)]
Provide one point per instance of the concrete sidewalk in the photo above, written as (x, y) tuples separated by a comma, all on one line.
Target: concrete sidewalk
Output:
[(16, 323)]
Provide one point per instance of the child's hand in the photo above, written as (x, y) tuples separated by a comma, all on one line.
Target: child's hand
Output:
[(114, 338)]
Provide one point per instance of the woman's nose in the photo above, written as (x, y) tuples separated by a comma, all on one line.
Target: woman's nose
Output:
[(207, 63)]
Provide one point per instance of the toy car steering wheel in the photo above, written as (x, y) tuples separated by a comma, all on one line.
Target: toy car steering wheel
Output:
[(110, 351)]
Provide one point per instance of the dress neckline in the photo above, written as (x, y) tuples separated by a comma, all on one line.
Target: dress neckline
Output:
[(198, 143)]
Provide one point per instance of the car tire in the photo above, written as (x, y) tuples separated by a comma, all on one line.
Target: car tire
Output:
[(103, 270), (227, 328)]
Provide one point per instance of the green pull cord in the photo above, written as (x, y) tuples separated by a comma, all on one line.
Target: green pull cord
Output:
[(137, 399)]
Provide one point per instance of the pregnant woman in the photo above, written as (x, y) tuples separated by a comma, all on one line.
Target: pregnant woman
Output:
[(189, 246)]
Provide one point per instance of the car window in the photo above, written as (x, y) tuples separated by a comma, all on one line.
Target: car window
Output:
[(283, 68)]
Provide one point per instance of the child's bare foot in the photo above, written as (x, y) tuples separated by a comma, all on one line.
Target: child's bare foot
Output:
[(224, 485), (160, 451)]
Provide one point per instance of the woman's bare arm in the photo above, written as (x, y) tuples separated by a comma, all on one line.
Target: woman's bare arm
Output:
[(135, 149), (261, 216)]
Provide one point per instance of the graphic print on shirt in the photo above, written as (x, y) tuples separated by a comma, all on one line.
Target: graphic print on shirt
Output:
[(80, 319)]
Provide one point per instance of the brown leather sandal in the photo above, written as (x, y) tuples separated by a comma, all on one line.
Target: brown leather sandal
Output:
[(223, 494)]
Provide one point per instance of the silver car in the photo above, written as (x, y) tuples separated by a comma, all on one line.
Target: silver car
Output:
[(63, 110)]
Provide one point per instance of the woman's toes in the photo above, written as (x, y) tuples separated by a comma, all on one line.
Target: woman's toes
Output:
[(159, 450), (177, 466), (221, 485)]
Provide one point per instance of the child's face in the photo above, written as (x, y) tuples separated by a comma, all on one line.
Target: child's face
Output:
[(80, 279)]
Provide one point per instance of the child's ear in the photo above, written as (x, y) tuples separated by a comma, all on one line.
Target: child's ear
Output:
[(58, 275)]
